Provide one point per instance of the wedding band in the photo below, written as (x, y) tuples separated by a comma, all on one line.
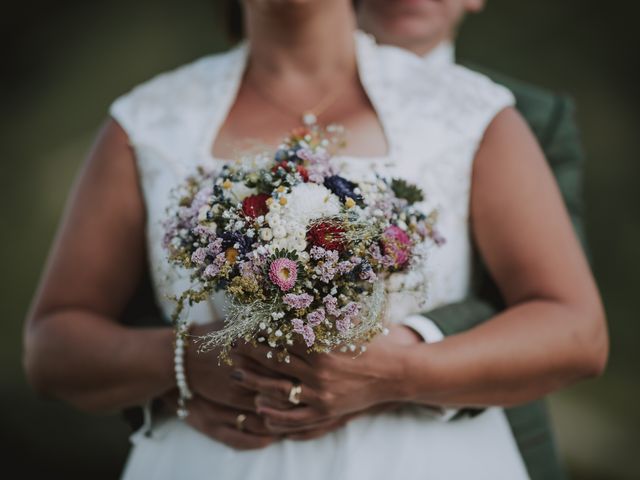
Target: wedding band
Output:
[(240, 419), (294, 394)]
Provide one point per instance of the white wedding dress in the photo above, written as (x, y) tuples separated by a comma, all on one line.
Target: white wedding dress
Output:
[(434, 119)]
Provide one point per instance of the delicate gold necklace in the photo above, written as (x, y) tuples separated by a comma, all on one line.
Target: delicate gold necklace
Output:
[(309, 116)]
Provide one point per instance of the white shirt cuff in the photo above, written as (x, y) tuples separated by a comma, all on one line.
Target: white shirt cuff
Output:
[(430, 333)]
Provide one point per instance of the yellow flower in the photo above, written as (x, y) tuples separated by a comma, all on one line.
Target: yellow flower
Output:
[(283, 201), (231, 255), (227, 184), (349, 202)]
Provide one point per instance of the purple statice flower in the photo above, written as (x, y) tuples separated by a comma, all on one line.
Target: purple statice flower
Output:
[(326, 270), (298, 301), (215, 247), (251, 267), (345, 266), (317, 253), (368, 274), (201, 198), (356, 260), (331, 256), (384, 260), (314, 158), (316, 317), (343, 324), (214, 267), (351, 309), (349, 312), (319, 166), (331, 304), (342, 187), (204, 232), (386, 206), (199, 256), (185, 214), (305, 330)]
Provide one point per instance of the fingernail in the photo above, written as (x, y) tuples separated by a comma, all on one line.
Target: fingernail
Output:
[(237, 375)]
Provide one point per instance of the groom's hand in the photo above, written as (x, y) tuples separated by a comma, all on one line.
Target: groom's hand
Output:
[(335, 386)]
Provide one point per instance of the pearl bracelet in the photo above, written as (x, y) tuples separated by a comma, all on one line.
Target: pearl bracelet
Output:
[(184, 392)]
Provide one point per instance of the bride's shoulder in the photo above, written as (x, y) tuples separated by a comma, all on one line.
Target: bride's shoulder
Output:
[(468, 85), (455, 95), (409, 73), (175, 94), (191, 78)]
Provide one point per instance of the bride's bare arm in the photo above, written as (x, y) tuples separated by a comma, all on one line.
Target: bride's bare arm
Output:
[(74, 348), (552, 333)]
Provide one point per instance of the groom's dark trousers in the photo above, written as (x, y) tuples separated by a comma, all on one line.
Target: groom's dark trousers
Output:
[(551, 118)]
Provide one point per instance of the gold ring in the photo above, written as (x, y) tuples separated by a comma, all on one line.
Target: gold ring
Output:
[(295, 393), (240, 419)]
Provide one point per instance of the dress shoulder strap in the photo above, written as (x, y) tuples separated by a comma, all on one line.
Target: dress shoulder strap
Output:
[(170, 111)]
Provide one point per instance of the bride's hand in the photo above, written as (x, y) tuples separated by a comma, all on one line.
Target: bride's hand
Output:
[(211, 379), (221, 423), (334, 386)]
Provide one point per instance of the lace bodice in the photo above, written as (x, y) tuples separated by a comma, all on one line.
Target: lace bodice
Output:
[(434, 117)]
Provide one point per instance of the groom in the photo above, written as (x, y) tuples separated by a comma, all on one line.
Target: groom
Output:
[(427, 28)]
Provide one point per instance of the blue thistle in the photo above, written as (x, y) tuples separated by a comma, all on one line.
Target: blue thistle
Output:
[(342, 187)]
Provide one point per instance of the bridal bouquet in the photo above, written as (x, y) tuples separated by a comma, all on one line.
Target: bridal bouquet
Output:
[(301, 252)]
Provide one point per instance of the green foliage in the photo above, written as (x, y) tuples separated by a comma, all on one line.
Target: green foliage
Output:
[(410, 193)]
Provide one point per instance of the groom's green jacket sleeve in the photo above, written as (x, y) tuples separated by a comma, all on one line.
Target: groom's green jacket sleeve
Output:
[(551, 119)]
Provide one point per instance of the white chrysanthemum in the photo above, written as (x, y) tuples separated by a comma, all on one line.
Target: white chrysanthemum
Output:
[(309, 201)]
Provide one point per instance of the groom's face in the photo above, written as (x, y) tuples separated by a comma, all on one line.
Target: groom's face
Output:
[(418, 25)]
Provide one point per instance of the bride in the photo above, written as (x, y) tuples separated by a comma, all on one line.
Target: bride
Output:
[(452, 132)]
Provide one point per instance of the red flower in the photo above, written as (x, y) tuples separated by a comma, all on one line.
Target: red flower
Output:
[(255, 205), (286, 166), (326, 235)]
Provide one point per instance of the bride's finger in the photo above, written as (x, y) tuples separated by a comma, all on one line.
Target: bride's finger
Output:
[(262, 400), (275, 388), (291, 418), (293, 367), (318, 431), (290, 431), (210, 414)]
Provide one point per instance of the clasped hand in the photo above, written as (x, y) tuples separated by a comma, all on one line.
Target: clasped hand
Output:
[(335, 388)]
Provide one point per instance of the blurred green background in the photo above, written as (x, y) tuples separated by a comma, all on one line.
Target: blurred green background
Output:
[(62, 64)]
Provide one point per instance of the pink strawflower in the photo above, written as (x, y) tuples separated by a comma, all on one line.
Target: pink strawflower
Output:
[(396, 244), (283, 272)]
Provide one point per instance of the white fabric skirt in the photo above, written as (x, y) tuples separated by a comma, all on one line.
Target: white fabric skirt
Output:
[(407, 445)]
